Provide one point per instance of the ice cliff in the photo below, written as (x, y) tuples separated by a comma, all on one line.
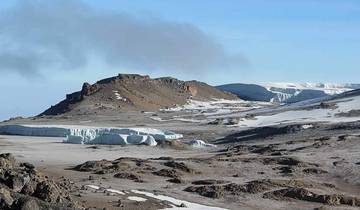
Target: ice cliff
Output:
[(93, 135)]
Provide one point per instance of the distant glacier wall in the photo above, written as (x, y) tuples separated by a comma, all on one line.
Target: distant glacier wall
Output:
[(92, 135), (286, 92)]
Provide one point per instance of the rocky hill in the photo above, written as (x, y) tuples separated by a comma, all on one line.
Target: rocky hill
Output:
[(132, 92)]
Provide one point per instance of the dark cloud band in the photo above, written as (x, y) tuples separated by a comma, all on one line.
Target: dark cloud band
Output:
[(38, 36)]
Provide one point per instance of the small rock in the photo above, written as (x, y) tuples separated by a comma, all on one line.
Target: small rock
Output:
[(176, 180), (27, 165), (167, 173), (182, 205), (30, 204)]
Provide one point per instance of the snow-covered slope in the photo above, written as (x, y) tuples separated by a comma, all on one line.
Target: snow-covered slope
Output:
[(344, 107), (286, 92)]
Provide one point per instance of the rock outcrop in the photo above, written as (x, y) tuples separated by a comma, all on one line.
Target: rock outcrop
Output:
[(132, 92), (23, 187)]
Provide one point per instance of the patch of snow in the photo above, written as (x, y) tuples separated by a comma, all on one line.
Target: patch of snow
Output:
[(199, 144), (136, 198), (177, 202), (115, 191), (307, 126), (93, 187), (159, 119), (187, 120), (149, 112), (174, 201), (118, 96)]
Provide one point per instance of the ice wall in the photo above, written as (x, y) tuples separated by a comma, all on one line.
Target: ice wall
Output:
[(22, 130), (91, 135)]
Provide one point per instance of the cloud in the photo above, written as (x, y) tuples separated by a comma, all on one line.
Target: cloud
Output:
[(40, 36)]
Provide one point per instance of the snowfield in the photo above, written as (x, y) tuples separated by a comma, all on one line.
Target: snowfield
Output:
[(330, 115), (217, 106), (328, 88), (93, 135), (256, 114), (195, 111)]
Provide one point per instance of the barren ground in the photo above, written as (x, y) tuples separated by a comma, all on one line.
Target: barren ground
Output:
[(282, 167)]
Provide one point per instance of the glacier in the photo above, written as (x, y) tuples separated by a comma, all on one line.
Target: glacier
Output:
[(93, 135), (286, 92)]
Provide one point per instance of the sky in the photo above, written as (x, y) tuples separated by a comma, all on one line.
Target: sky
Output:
[(49, 48)]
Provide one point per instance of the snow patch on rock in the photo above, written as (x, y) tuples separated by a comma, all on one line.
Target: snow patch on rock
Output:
[(118, 96), (307, 126)]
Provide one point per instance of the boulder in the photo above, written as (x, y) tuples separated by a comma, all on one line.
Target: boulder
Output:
[(6, 199)]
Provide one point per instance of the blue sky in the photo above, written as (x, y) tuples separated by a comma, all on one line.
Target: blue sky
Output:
[(281, 40), (307, 40)]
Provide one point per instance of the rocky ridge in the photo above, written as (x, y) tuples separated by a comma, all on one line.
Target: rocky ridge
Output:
[(132, 92)]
